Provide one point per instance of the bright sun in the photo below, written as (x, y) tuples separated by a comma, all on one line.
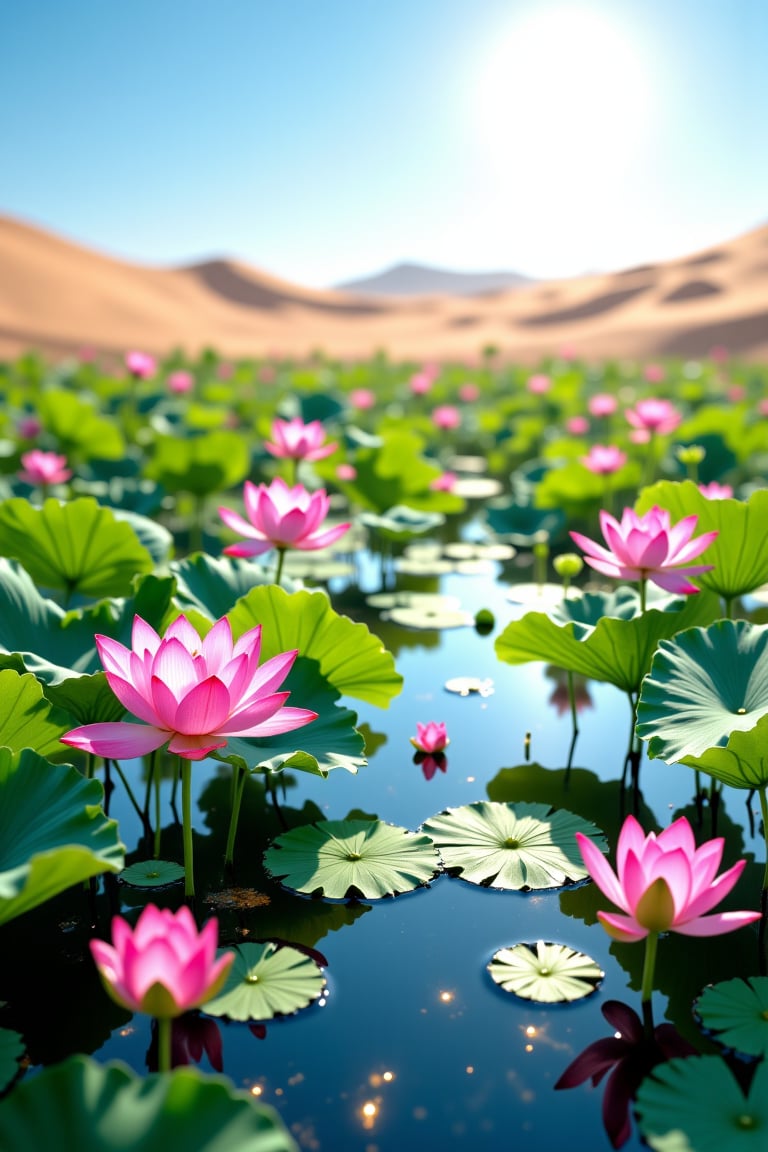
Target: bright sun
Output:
[(561, 115)]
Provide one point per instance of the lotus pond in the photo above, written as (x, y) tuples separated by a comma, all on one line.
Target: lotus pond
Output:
[(418, 956)]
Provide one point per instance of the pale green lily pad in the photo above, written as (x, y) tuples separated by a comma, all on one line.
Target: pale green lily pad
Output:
[(512, 846), (401, 522), (267, 980), (408, 566), (425, 601), (740, 551), (152, 874), (545, 972), (696, 1105), (439, 619), (78, 547), (735, 1014), (343, 859), (612, 650), (705, 702), (100, 1108), (12, 1049), (351, 658), (53, 832)]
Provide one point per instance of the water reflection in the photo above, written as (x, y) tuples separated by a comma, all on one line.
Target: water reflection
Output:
[(625, 1058)]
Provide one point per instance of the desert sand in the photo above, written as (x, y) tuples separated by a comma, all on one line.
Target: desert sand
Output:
[(60, 298)]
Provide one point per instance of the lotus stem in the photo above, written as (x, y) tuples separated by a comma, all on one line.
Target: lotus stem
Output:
[(186, 824), (642, 595), (574, 728), (279, 570), (238, 779), (90, 765), (164, 1030), (649, 964)]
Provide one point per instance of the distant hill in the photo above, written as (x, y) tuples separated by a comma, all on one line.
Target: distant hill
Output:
[(424, 280)]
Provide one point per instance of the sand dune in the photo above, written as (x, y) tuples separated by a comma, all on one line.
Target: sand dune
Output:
[(59, 297)]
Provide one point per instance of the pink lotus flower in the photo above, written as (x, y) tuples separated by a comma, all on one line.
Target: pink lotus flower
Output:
[(445, 416), (602, 404), (163, 966), (280, 517), (295, 440), (469, 392), (44, 468), (445, 482), (194, 693), (577, 425), (715, 491), (603, 459), (655, 416), (539, 384), (420, 383), (30, 427), (719, 354), (654, 373), (430, 737), (648, 548), (180, 382), (362, 398), (140, 365), (346, 472), (663, 883)]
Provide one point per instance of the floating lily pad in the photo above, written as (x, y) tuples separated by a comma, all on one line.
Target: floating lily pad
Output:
[(512, 846), (11, 1052), (152, 874), (434, 618), (351, 858), (402, 522), (697, 1103), (476, 487), (425, 601), (735, 1014), (467, 685), (541, 596), (99, 1108), (545, 972), (267, 980), (407, 566), (464, 550)]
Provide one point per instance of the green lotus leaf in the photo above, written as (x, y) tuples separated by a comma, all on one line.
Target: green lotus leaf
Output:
[(27, 719), (11, 1051), (740, 552), (152, 874), (736, 1011), (78, 428), (512, 846), (697, 1103), (545, 972), (100, 1108), (705, 702), (330, 741), (78, 547), (573, 486), (521, 524), (401, 522), (267, 980), (201, 465), (213, 585), (156, 538), (53, 832), (54, 644), (615, 651), (352, 858), (351, 658), (88, 699)]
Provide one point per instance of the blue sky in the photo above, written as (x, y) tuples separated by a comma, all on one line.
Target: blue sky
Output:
[(325, 139)]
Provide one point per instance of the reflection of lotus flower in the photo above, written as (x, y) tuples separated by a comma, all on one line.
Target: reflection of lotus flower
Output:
[(295, 440), (603, 459), (654, 416), (44, 468), (663, 883), (430, 737), (163, 966), (280, 517), (193, 1037), (561, 697), (628, 1055), (648, 547), (194, 693), (431, 764)]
